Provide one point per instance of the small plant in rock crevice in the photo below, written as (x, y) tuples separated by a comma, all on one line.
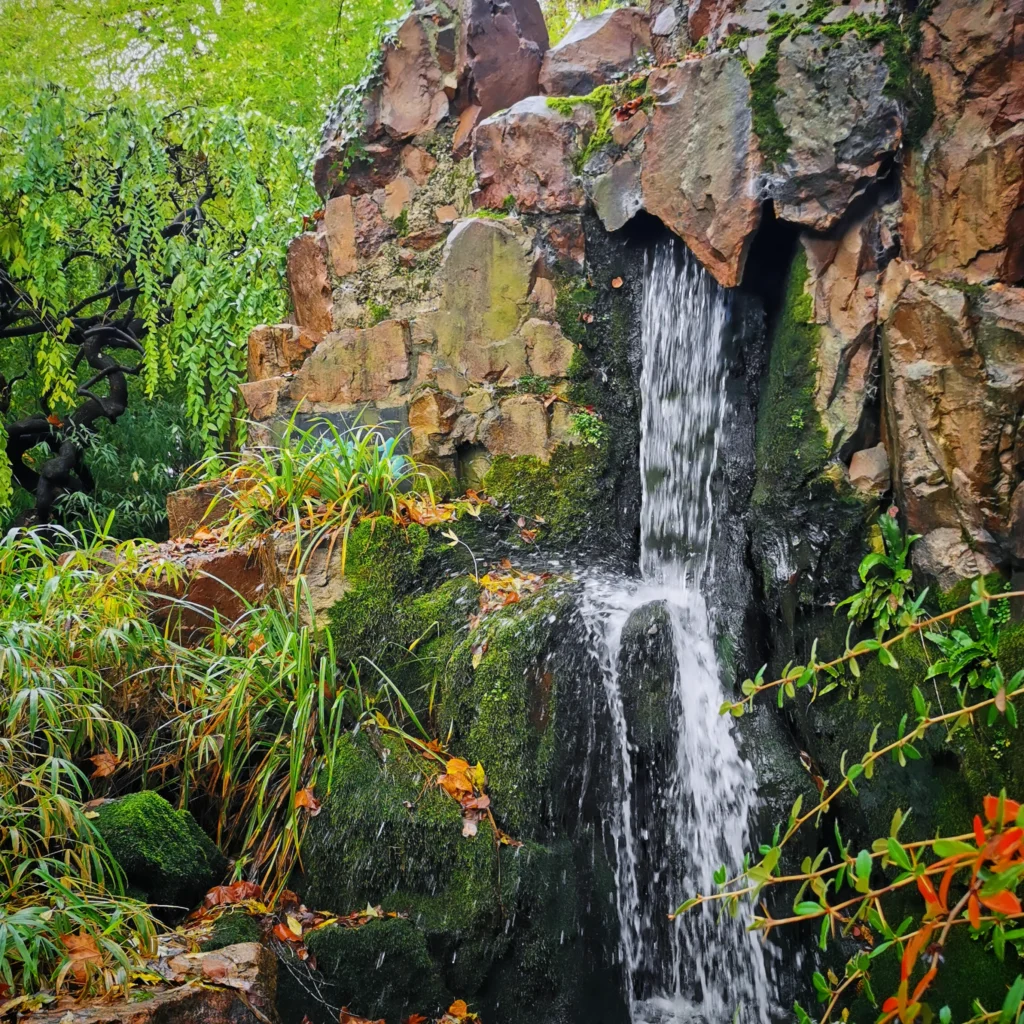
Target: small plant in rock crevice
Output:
[(886, 599), (588, 427)]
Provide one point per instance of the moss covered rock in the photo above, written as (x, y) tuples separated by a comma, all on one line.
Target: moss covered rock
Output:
[(230, 928), (164, 854)]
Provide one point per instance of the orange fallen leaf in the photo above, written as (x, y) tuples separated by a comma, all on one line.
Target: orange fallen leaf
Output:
[(305, 798), (106, 764), (82, 951), (284, 933), (236, 892), (54, 421), (459, 1008), (414, 1018), (351, 1018), (616, 282)]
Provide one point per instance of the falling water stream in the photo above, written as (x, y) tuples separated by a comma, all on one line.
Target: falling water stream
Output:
[(705, 966)]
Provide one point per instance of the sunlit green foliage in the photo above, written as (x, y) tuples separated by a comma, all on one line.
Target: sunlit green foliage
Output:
[(285, 58)]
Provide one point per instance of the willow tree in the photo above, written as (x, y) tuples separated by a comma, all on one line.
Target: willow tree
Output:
[(136, 241)]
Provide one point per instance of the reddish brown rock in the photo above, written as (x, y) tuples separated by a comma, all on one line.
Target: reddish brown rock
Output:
[(412, 99), (869, 470), (261, 397), (561, 244), (595, 51), (354, 365), (276, 350), (418, 164), (501, 46), (963, 189), (843, 282), (954, 399), (527, 152), (463, 137), (843, 129), (204, 504), (354, 229), (308, 284), (701, 161), (427, 238)]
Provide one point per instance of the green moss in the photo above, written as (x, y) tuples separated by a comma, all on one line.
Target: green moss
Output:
[(383, 561), (772, 137), (163, 852), (791, 441), (381, 970), (960, 593), (377, 311), (231, 927), (567, 492), (603, 100)]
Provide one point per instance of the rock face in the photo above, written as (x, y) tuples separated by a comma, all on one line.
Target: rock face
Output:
[(595, 51), (701, 162), (843, 283), (527, 152), (954, 395), (963, 190), (842, 127), (354, 365), (203, 504), (501, 46), (309, 285)]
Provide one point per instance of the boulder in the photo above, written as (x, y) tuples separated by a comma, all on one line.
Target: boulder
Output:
[(234, 985), (869, 470), (485, 282), (963, 188), (308, 284), (431, 417), (670, 37), (354, 365), (595, 51), (501, 46), (276, 350), (843, 129), (946, 556), (163, 852), (702, 163), (204, 504), (412, 96), (527, 152), (954, 397)]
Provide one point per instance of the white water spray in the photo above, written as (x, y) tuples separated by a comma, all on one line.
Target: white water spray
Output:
[(701, 968)]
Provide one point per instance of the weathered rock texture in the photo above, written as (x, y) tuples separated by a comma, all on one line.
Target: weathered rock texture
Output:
[(595, 51), (963, 190), (843, 128), (701, 161), (954, 396)]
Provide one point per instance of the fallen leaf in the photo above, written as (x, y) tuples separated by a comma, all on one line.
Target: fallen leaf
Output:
[(351, 1018), (305, 798), (616, 282), (236, 892), (293, 926), (106, 764), (414, 1018), (459, 1009), (82, 951), (54, 421), (284, 933)]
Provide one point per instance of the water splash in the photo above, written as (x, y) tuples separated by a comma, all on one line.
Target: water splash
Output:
[(675, 821)]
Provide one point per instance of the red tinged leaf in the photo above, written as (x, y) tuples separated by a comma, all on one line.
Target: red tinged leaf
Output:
[(1002, 903), (236, 892), (974, 912), (913, 950), (927, 890), (106, 764), (350, 1018), (1010, 809), (414, 1018), (923, 984), (890, 1005), (944, 887), (285, 934), (979, 830)]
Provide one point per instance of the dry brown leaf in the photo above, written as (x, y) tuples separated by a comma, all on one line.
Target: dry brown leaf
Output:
[(236, 892), (82, 951), (106, 764), (305, 798)]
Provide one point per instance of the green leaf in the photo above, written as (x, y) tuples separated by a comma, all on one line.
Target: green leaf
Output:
[(898, 855), (806, 908), (864, 865), (1012, 1002), (952, 848)]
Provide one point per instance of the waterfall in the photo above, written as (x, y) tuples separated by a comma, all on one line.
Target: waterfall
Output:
[(679, 809)]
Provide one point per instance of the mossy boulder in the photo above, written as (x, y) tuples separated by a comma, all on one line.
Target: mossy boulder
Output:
[(164, 854), (230, 928)]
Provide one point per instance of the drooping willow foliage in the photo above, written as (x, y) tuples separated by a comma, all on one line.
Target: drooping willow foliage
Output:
[(136, 241)]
